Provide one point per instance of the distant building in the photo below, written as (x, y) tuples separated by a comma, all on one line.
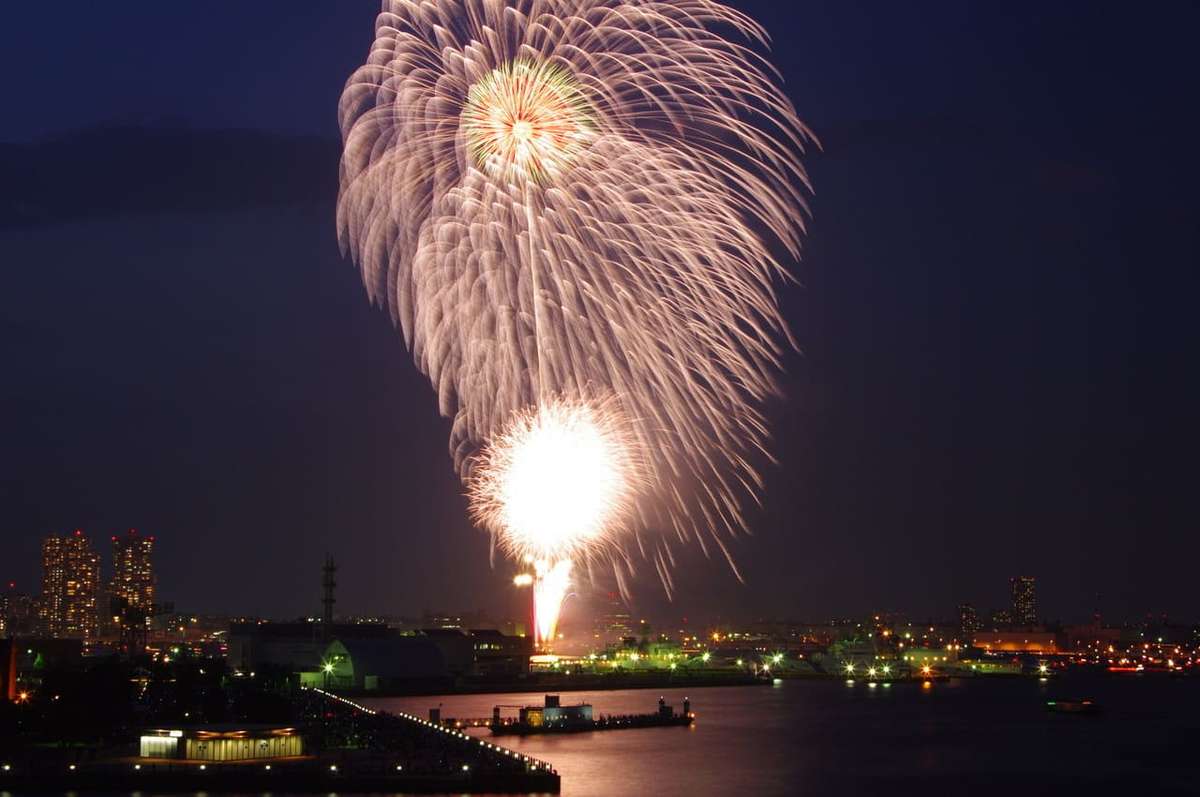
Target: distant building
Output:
[(373, 664), (935, 659), (1024, 600), (295, 647), (18, 613), (612, 620), (968, 622), (500, 655), (1018, 642), (133, 570), (1001, 618), (70, 587)]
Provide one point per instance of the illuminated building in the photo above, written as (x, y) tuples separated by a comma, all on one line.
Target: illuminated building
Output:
[(222, 743), (1018, 642), (555, 713), (18, 613), (968, 622), (612, 620), (1024, 600), (133, 570), (70, 587)]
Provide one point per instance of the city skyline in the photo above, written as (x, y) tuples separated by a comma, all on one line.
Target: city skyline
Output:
[(135, 583)]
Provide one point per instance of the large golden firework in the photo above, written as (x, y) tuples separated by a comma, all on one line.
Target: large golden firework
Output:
[(584, 198), (526, 120)]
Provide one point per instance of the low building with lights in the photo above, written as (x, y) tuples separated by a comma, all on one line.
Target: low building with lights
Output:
[(218, 743), (554, 713), (1018, 641)]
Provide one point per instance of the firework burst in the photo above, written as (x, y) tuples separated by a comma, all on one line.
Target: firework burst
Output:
[(583, 198)]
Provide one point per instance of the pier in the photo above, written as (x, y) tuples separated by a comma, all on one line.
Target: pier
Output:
[(553, 717), (390, 753)]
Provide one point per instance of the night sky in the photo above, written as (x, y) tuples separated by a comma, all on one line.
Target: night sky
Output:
[(995, 307)]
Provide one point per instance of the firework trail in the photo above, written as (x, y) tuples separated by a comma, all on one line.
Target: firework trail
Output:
[(578, 204)]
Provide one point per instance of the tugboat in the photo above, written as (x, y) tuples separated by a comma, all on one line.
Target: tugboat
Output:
[(554, 717), (1072, 706)]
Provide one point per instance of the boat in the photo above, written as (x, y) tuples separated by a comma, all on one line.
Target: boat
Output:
[(1072, 706)]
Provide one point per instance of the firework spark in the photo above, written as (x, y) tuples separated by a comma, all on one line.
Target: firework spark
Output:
[(584, 198), (557, 483)]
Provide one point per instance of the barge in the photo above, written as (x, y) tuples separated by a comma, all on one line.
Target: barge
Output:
[(554, 717)]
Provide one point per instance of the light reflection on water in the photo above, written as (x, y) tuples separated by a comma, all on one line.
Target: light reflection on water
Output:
[(843, 738), (989, 737)]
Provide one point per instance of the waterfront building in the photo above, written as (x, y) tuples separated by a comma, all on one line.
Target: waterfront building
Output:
[(70, 587), (1018, 641), (373, 664), (222, 743), (295, 647), (1024, 600), (497, 654)]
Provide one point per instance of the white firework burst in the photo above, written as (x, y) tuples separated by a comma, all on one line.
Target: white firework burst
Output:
[(584, 198)]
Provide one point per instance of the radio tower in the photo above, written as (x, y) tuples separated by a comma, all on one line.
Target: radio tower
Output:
[(329, 584)]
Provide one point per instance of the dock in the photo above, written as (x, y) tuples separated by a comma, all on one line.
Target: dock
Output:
[(554, 717)]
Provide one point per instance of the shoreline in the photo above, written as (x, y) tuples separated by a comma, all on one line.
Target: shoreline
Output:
[(561, 683)]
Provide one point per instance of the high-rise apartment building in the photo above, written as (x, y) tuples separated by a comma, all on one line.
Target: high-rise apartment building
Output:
[(133, 571), (70, 587), (968, 623), (1024, 600)]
